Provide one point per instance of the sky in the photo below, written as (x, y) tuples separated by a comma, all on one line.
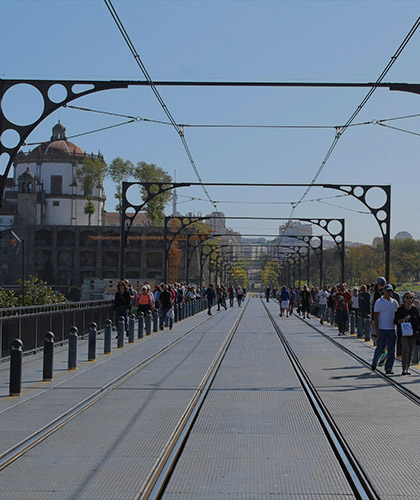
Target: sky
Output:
[(235, 40)]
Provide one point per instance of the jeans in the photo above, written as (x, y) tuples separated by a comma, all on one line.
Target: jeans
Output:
[(387, 339), (322, 309), (341, 317), (164, 316), (121, 311)]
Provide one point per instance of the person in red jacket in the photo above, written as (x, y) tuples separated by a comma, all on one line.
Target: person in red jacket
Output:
[(342, 303)]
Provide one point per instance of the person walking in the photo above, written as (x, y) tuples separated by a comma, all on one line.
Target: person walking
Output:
[(284, 301), (383, 323), (267, 294), (165, 305), (342, 301), (408, 324), (122, 304), (305, 301), (322, 300), (210, 297), (239, 295)]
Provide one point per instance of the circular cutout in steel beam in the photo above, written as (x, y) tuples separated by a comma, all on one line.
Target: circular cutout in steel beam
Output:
[(334, 227), (375, 197), (57, 93), (10, 138), (22, 104)]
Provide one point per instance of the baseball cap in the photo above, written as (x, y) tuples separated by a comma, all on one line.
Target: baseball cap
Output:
[(388, 287), (381, 280)]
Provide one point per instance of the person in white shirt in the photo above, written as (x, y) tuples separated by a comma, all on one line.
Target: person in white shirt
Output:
[(322, 298), (383, 321)]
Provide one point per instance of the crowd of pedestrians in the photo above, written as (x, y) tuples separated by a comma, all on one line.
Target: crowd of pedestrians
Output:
[(392, 320), (163, 297)]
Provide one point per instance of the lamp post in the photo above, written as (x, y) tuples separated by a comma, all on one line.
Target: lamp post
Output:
[(22, 242)]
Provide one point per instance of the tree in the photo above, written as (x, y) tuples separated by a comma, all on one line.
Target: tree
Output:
[(37, 292), (89, 209), (91, 173), (149, 172), (270, 276), (119, 170)]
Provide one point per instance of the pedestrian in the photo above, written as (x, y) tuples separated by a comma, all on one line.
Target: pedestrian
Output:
[(231, 293), (267, 294), (165, 305), (284, 301), (383, 321), (210, 297), (239, 295), (322, 301), (145, 301), (122, 304), (408, 324), (364, 301), (342, 303), (355, 300), (292, 301), (331, 304), (305, 301)]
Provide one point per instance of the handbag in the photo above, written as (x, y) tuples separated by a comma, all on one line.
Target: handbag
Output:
[(406, 329)]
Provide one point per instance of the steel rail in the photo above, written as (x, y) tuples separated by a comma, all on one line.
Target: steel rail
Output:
[(155, 484), (356, 477), (414, 398), (37, 437)]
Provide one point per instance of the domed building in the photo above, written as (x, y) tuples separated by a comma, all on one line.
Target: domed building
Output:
[(58, 199)]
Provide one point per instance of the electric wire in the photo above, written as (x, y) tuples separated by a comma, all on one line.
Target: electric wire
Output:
[(341, 130), (178, 129)]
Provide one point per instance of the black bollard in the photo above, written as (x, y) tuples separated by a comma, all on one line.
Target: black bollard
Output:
[(359, 326), (92, 342), (131, 322), (47, 371), (155, 321), (148, 322), (16, 354), (121, 329), (72, 364), (140, 325), (367, 327), (176, 311), (107, 336), (352, 322)]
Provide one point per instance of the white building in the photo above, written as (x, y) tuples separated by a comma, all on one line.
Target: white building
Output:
[(45, 186)]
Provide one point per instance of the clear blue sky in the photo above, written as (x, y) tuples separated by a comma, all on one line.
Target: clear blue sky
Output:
[(313, 41)]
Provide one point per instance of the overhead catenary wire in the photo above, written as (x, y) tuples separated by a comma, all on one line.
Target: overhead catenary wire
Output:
[(178, 129)]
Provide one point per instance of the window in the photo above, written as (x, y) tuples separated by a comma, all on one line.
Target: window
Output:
[(56, 184), (56, 203)]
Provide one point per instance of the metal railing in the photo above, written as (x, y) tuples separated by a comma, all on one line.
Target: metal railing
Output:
[(31, 323)]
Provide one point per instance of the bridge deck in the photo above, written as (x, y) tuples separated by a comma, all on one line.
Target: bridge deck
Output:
[(256, 436)]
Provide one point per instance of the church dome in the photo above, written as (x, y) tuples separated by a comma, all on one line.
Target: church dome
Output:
[(58, 145)]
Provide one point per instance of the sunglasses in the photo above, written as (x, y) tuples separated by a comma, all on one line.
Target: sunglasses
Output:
[(408, 298)]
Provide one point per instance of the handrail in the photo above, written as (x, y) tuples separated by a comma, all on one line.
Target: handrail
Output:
[(62, 306)]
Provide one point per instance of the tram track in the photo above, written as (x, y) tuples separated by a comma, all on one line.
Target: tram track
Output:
[(413, 397), (354, 473), (31, 441)]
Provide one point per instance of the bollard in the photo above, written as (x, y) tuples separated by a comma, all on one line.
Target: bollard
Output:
[(120, 334), (92, 342), (140, 326), (176, 311), (72, 363), (367, 323), (359, 326), (352, 322), (148, 322), (107, 335), (183, 311), (155, 320), (47, 369), (16, 354), (131, 322)]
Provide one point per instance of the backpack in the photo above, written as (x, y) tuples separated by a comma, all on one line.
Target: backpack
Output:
[(341, 303)]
